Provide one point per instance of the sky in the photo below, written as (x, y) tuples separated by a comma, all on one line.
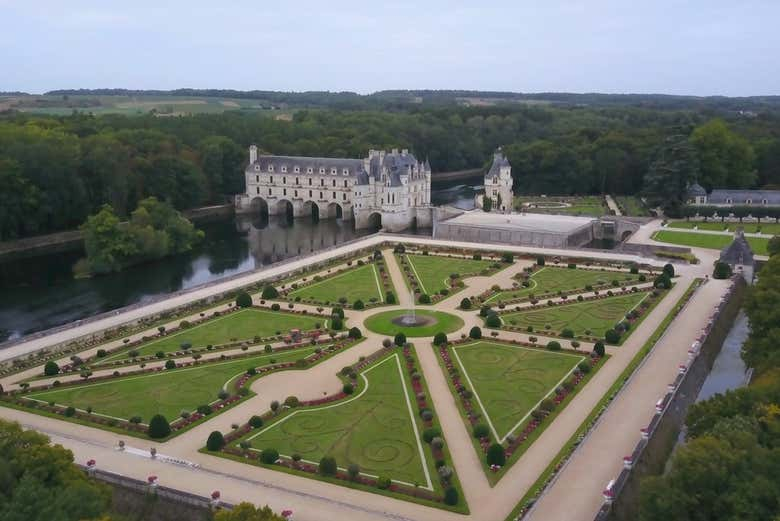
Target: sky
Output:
[(695, 47)]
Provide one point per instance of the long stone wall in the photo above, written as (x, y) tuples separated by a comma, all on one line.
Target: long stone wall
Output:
[(656, 442)]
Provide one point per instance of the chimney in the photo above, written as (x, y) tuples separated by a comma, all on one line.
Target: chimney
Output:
[(252, 154), (404, 151), (395, 151)]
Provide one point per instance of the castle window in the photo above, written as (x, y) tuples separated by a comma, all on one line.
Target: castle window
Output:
[(343, 197), (310, 181), (296, 193), (270, 168), (284, 180), (748, 201), (321, 195), (764, 201), (333, 171), (284, 191), (258, 190), (257, 179), (334, 182), (309, 170), (296, 181), (322, 182), (284, 168), (269, 191), (257, 167), (345, 183), (309, 193), (271, 178), (322, 170), (297, 169), (334, 195), (346, 172), (729, 200)]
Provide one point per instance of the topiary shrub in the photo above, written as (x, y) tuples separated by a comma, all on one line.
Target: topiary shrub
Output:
[(158, 427), (400, 339), (243, 299), (269, 456), (430, 433), (553, 345), (328, 466), (584, 367), (567, 333), (598, 348), (612, 336), (721, 271), (51, 368), (451, 496), (669, 270), (480, 430), (170, 364), (475, 333), (465, 304), (337, 323), (424, 299), (275, 307), (292, 401), (496, 455), (348, 388), (383, 482), (493, 320), (358, 305), (439, 339), (507, 257), (269, 292), (355, 333), (256, 422), (390, 298)]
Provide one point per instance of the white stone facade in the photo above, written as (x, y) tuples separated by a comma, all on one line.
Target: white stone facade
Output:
[(498, 184), (388, 189)]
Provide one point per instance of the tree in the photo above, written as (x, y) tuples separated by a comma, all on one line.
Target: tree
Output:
[(493, 320), (496, 455), (480, 430), (553, 345), (762, 305), (390, 298), (721, 271), (215, 441), (673, 169), (355, 333), (465, 303), (668, 270), (451, 496), (243, 299), (598, 348), (40, 481), (726, 159), (773, 247), (439, 338), (108, 247), (256, 422), (400, 339), (612, 336), (475, 333), (269, 456), (358, 305), (487, 203), (19, 199), (247, 512), (51, 368), (158, 427)]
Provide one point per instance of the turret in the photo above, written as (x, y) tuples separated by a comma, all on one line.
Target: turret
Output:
[(252, 154)]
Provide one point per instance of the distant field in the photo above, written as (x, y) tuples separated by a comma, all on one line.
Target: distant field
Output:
[(586, 205), (708, 240), (134, 105)]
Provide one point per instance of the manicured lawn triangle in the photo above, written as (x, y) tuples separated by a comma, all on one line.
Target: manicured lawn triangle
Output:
[(374, 429), (168, 392), (356, 283), (243, 325), (596, 315), (552, 279), (433, 271), (508, 381)]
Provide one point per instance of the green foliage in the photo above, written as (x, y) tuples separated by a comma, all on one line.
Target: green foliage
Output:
[(439, 339), (668, 270), (762, 305), (480, 430), (355, 333), (424, 299), (400, 339), (430, 433), (598, 348), (158, 427), (496, 455), (553, 345), (465, 303), (51, 368), (270, 292), (243, 299), (269, 456), (390, 298), (773, 246), (487, 203), (721, 271), (215, 441), (493, 320), (247, 512), (451, 496), (674, 167), (256, 422), (155, 230), (612, 336), (40, 481), (726, 159), (328, 466), (358, 305), (475, 332)]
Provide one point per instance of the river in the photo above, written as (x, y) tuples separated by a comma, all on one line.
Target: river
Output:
[(40, 292)]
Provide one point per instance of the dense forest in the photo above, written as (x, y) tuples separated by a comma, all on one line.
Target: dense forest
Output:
[(728, 468), (57, 170)]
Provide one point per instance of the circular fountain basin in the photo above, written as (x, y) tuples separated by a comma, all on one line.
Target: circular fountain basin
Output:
[(423, 322)]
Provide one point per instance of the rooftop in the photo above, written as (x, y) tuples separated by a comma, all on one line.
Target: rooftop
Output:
[(519, 222)]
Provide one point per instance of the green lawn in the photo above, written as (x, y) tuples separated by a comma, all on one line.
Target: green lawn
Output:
[(509, 381), (596, 316), (241, 325), (709, 240), (439, 321), (717, 226), (168, 392), (632, 206), (586, 205), (552, 279), (358, 283), (375, 429), (432, 271)]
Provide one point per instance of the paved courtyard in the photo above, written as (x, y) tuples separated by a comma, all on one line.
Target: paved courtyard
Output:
[(576, 491)]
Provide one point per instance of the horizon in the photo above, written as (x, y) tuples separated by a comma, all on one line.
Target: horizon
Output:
[(605, 47)]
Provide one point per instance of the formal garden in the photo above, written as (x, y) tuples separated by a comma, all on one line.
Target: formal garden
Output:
[(435, 276), (380, 434), (544, 281), (509, 392), (584, 205), (417, 323)]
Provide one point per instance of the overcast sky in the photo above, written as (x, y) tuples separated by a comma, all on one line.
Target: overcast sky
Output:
[(701, 47)]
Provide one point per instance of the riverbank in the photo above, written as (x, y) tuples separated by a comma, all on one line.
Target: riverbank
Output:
[(73, 240)]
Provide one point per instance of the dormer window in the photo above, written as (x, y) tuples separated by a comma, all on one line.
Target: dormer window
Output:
[(729, 200), (270, 168), (345, 172), (322, 170), (748, 201), (764, 201), (284, 169), (297, 169), (309, 170), (333, 171), (257, 167)]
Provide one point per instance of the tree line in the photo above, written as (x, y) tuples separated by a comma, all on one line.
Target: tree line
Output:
[(57, 170)]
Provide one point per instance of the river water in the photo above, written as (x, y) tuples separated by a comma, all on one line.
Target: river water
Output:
[(728, 370), (40, 292)]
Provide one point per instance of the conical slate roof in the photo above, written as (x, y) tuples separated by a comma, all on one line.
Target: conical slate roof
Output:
[(696, 190), (738, 252)]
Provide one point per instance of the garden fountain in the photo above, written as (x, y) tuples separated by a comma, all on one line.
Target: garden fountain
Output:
[(410, 318)]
